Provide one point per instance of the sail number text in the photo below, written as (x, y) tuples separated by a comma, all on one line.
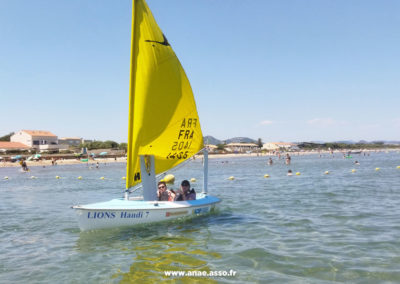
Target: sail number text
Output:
[(180, 148)]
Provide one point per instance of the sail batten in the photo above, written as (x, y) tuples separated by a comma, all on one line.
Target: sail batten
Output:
[(163, 119)]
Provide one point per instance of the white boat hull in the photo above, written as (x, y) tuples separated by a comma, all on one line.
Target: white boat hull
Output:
[(122, 213)]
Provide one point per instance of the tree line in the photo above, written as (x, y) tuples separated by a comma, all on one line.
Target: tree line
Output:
[(342, 146), (109, 144), (6, 137)]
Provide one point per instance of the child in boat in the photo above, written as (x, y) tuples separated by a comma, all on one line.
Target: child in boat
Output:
[(163, 193), (185, 193)]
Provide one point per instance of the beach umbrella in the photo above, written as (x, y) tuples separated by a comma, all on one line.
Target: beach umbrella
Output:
[(103, 153), (37, 156)]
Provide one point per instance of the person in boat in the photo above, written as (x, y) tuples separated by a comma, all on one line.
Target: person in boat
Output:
[(163, 193), (185, 193)]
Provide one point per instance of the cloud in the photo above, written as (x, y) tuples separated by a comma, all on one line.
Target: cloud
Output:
[(325, 122), (371, 126), (266, 122), (396, 122)]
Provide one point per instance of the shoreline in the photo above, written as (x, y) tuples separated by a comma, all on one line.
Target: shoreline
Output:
[(61, 162)]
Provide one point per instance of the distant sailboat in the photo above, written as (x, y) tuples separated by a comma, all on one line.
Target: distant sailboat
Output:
[(164, 131)]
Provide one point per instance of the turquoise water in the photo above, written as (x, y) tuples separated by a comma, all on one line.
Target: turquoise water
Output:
[(311, 228)]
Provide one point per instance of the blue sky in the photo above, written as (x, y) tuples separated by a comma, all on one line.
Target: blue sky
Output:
[(277, 70)]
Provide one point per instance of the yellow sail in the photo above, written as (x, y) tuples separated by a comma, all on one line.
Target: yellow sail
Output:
[(163, 119)]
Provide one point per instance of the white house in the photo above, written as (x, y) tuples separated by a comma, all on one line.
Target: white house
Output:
[(273, 146), (38, 139), (210, 148), (241, 147)]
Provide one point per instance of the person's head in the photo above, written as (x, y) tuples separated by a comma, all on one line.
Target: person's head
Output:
[(185, 185), (162, 186)]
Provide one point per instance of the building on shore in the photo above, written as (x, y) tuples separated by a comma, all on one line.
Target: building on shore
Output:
[(210, 148), (241, 147), (39, 140), (70, 141), (6, 146), (275, 146)]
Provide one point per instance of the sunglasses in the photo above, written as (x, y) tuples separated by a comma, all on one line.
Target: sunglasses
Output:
[(162, 186)]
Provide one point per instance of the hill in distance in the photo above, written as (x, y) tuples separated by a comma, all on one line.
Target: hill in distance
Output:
[(240, 140), (214, 141), (211, 140)]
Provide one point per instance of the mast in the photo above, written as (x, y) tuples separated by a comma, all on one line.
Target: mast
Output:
[(132, 82), (205, 168), (147, 168)]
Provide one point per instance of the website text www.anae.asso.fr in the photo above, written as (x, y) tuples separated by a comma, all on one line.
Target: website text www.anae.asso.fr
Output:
[(217, 273)]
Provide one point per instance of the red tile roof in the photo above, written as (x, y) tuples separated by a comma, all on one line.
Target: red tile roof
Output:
[(12, 145), (39, 133)]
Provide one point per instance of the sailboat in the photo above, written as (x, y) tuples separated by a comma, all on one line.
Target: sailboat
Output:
[(164, 131)]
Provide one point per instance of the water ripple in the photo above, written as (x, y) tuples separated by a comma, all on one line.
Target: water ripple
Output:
[(312, 228)]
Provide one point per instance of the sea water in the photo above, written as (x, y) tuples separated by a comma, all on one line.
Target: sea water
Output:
[(308, 228)]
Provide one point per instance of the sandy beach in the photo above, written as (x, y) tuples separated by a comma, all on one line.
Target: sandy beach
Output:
[(45, 163)]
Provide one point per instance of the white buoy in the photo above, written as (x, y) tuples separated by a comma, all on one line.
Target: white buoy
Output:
[(58, 177), (102, 178), (353, 170), (266, 175), (377, 169), (327, 172), (231, 178), (193, 180), (6, 177)]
